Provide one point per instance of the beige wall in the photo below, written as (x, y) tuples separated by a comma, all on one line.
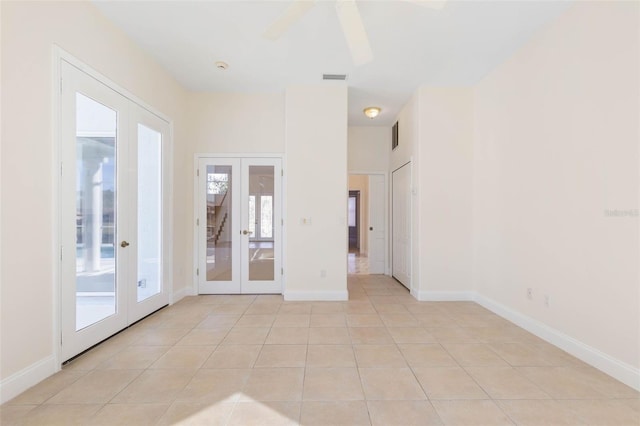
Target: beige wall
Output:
[(236, 123), (436, 135), (316, 179), (556, 146), (407, 151), (512, 181), (225, 123), (444, 192), (369, 149), (29, 31)]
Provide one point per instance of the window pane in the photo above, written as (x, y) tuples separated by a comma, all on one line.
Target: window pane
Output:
[(149, 212), (261, 250), (352, 211), (96, 126), (266, 216), (219, 218), (252, 215)]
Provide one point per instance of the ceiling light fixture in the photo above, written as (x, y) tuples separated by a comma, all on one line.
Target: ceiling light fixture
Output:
[(372, 112), (222, 65)]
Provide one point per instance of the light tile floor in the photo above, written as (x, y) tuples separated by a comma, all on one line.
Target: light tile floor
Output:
[(357, 264), (382, 358)]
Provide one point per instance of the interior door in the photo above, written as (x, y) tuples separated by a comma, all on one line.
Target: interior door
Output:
[(112, 198), (239, 225), (401, 224), (377, 229), (219, 226)]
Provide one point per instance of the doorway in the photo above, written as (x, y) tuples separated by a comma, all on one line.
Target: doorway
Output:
[(239, 225), (367, 236), (354, 222), (112, 199)]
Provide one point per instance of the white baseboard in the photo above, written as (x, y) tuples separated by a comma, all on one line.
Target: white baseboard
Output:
[(19, 382), (617, 369), (180, 294), (446, 296), (324, 296)]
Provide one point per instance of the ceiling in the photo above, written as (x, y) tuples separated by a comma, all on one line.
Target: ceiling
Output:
[(412, 45)]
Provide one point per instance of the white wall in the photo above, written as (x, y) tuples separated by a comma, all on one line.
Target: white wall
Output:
[(29, 31), (557, 136), (444, 192), (316, 189)]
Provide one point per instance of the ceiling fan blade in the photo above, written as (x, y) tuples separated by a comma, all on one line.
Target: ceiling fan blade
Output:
[(354, 31), (431, 4), (294, 12)]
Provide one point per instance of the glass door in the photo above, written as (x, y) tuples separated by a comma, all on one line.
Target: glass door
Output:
[(262, 220), (112, 201), (147, 289), (218, 226), (93, 200), (239, 225)]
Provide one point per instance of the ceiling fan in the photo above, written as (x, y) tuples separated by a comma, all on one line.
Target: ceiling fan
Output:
[(350, 21)]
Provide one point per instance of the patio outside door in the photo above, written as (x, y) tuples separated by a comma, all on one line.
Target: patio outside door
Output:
[(112, 200), (239, 225)]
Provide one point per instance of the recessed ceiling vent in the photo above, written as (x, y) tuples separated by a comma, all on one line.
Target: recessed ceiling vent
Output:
[(341, 77)]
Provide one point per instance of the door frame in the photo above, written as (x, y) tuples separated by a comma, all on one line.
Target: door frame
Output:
[(387, 214), (410, 285), (59, 55), (195, 228)]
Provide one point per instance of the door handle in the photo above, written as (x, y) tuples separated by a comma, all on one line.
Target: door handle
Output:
[(124, 244), (245, 232)]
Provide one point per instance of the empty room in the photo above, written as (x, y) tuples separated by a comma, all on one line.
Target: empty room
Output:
[(330, 212)]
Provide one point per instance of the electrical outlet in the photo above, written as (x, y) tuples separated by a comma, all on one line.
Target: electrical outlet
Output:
[(305, 221), (529, 293), (546, 300)]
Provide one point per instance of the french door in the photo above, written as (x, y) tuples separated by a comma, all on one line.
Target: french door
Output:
[(112, 198), (239, 225)]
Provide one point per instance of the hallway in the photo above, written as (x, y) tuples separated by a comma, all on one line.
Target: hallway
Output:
[(382, 358), (357, 264)]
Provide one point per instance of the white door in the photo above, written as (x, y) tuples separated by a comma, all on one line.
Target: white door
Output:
[(376, 224), (148, 225), (110, 275), (401, 225), (239, 225)]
